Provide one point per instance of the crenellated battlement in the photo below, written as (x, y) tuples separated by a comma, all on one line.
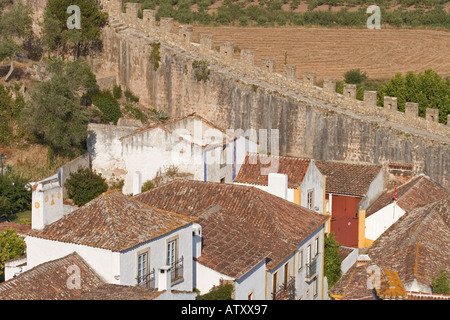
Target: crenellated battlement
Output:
[(225, 56)]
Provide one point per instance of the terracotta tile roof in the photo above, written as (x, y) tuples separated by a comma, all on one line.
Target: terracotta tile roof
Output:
[(109, 291), (352, 285), (415, 193), (412, 295), (112, 221), (232, 246), (272, 215), (348, 178), (48, 281), (344, 252), (21, 229), (417, 246), (391, 287), (250, 171)]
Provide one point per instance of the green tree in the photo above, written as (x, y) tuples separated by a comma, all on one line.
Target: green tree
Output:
[(12, 246), (441, 283), (84, 186), (355, 76), (332, 262), (427, 88), (6, 106), (54, 114), (15, 196), (15, 27), (58, 37), (108, 105)]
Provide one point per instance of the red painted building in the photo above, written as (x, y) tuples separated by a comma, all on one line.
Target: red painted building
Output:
[(346, 185)]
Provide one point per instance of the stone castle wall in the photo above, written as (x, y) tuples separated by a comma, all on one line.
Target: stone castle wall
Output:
[(312, 121)]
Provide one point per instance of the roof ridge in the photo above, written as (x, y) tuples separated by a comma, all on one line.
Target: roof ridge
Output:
[(279, 156)]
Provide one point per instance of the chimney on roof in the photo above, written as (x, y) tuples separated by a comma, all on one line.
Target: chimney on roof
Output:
[(47, 203), (278, 184), (164, 278), (137, 183), (197, 240), (363, 259)]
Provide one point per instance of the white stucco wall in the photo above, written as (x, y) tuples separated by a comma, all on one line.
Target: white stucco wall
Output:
[(206, 278), (105, 148), (157, 149), (313, 180), (252, 282), (118, 267), (304, 289), (158, 258), (104, 262), (381, 220)]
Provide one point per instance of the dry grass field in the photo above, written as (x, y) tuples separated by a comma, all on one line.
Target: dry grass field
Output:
[(330, 52)]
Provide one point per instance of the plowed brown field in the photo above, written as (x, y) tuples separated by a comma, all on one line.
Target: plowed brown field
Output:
[(330, 52)]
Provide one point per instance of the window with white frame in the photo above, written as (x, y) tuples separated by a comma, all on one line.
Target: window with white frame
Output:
[(316, 246), (286, 272), (310, 203), (300, 260), (171, 252), (142, 268), (315, 287), (308, 254)]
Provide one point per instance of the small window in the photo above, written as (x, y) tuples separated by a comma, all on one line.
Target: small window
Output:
[(286, 272), (316, 246), (275, 282), (142, 268), (172, 253), (310, 203), (300, 260), (223, 161), (222, 180), (315, 287), (308, 254), (251, 296)]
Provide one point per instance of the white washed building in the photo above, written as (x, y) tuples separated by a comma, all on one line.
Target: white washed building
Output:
[(268, 247), (124, 241), (192, 144)]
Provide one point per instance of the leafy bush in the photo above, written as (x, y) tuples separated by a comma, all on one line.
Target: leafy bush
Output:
[(441, 283), (201, 70), (15, 196), (130, 96), (84, 186), (155, 56), (222, 292), (147, 185), (117, 91), (135, 112), (12, 246), (108, 105), (355, 76), (332, 262), (427, 88)]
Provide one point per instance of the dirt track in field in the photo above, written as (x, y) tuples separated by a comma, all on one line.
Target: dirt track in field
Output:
[(330, 52)]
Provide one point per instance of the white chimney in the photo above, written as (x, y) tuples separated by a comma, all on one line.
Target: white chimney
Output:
[(47, 203), (137, 183), (278, 184), (197, 240), (164, 278)]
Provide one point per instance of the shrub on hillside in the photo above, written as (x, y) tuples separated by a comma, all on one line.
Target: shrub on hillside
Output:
[(84, 186)]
